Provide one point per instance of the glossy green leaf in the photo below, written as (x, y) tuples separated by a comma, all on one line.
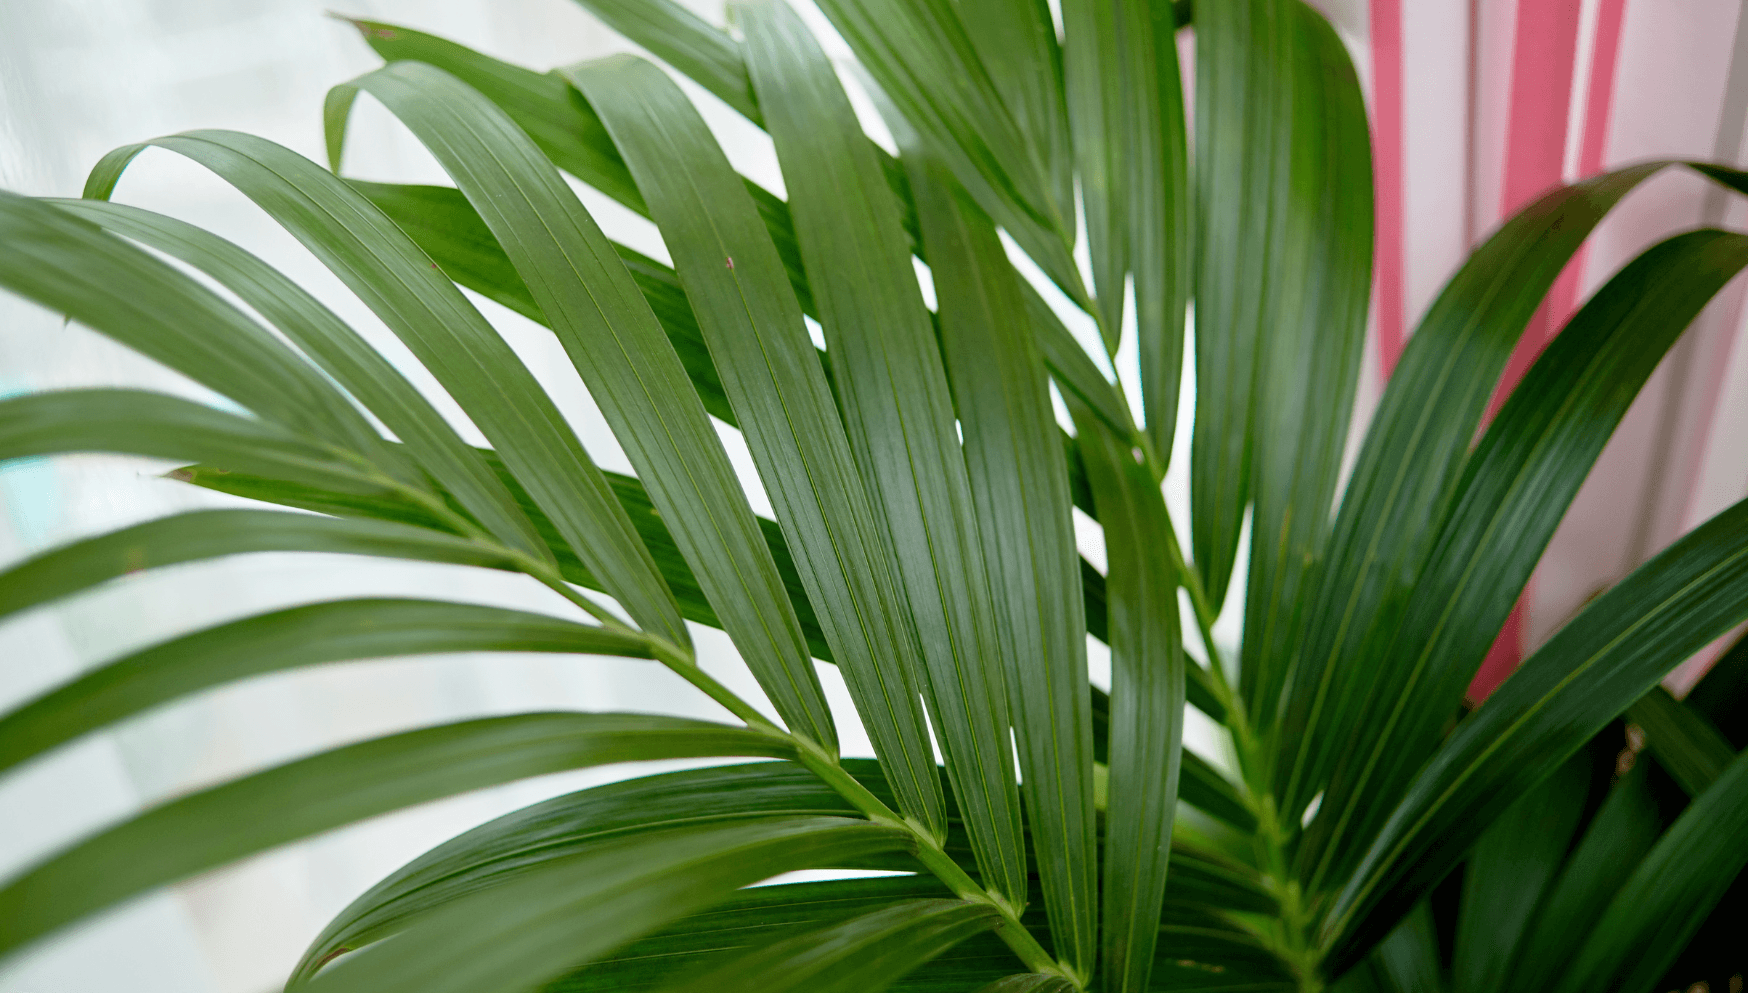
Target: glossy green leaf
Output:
[(755, 330), (1206, 788), (1244, 125), (1623, 830), (559, 120), (1071, 367), (1510, 498), (516, 936), (754, 918), (1408, 957), (1147, 702), (1722, 695), (542, 105), (1162, 217), (1670, 894), (135, 422), (1198, 684), (864, 953), (1028, 982), (1228, 958), (772, 913), (1367, 977), (465, 354), (1103, 78), (919, 54), (1201, 878), (1199, 784), (1685, 743), (203, 830), (206, 534), (1308, 357), (509, 846), (898, 415), (700, 51), (1508, 871), (713, 59), (1596, 667), (630, 493), (1199, 951), (101, 281), (336, 631), (1015, 40), (447, 228), (1014, 454), (1407, 471), (504, 848), (341, 352), (633, 375)]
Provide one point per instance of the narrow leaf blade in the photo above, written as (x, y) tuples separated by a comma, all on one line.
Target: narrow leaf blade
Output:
[(210, 828), (1016, 42), (1244, 118), (206, 534), (1508, 871), (755, 330), (340, 351), (1308, 359), (1162, 216), (867, 952), (1597, 666), (520, 935), (1014, 455), (450, 337), (1669, 896), (1625, 827), (633, 374), (702, 52), (1507, 503), (136, 422), (898, 415), (1685, 743), (75, 268), (336, 631), (1147, 703), (1101, 76), (1408, 468), (919, 54)]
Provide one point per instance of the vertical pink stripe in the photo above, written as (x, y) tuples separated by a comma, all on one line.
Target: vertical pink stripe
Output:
[(1600, 103), (1541, 87), (1541, 90), (1593, 146), (1387, 137), (1547, 41)]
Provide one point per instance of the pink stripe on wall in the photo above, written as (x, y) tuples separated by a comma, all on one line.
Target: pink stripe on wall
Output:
[(1541, 91), (1600, 102), (1547, 42), (1563, 298), (1386, 31)]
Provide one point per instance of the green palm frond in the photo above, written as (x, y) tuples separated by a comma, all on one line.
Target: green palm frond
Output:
[(1037, 833)]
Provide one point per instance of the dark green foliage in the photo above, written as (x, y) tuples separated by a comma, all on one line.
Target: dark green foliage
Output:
[(1580, 831)]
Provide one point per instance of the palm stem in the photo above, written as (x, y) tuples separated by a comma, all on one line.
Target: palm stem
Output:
[(824, 764), (930, 853)]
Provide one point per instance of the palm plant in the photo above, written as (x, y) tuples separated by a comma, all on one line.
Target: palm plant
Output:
[(1370, 834)]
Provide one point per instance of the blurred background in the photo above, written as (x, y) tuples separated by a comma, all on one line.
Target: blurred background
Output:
[(1478, 105)]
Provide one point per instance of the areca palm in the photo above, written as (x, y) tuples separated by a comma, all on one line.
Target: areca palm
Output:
[(922, 491)]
